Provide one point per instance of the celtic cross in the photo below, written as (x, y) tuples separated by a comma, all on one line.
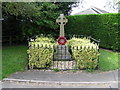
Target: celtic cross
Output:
[(61, 20)]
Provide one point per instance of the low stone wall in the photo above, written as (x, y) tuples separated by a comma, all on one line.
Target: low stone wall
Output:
[(64, 64)]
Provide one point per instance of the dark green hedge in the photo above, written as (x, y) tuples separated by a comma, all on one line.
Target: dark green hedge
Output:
[(100, 26)]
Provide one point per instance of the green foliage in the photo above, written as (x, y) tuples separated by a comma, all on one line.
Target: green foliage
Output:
[(56, 70), (79, 41), (45, 39), (100, 26), (40, 58), (89, 70), (74, 69), (109, 60), (20, 9), (85, 53), (14, 58), (30, 9), (33, 18), (40, 52)]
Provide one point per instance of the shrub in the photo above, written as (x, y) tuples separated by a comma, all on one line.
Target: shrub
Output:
[(100, 26), (40, 52), (56, 70), (84, 52), (44, 39)]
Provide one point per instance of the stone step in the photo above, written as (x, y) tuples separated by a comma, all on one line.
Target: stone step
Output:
[(64, 64)]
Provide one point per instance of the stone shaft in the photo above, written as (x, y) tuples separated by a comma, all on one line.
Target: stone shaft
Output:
[(62, 30)]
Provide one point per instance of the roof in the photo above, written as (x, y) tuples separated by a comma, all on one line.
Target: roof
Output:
[(92, 10)]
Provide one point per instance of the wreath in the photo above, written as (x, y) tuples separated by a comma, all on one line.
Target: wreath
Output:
[(62, 40)]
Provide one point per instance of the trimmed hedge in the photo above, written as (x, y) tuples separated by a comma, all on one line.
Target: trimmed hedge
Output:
[(40, 52), (40, 57), (100, 26), (84, 52)]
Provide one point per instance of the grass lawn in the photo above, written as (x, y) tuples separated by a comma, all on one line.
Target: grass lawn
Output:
[(14, 58), (108, 60)]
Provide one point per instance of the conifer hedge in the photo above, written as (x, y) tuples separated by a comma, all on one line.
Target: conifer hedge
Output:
[(105, 27)]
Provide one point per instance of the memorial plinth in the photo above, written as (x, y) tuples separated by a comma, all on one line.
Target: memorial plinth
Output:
[(62, 53)]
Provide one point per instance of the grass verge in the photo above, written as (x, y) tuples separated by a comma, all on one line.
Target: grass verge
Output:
[(14, 58), (108, 60)]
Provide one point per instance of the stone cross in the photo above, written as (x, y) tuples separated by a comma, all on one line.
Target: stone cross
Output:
[(61, 20)]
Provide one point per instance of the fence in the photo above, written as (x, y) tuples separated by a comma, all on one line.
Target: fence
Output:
[(9, 40), (6, 39), (61, 57), (67, 37)]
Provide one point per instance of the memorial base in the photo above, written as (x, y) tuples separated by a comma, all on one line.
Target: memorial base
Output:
[(64, 65), (62, 53)]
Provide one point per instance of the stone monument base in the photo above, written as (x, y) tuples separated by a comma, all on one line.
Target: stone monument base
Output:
[(64, 64), (62, 53)]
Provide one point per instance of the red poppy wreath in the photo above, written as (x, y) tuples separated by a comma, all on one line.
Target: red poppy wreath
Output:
[(62, 40)]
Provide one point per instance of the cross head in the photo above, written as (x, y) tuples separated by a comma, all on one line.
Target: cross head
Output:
[(61, 20)]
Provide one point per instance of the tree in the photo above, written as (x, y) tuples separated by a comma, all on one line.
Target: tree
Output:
[(113, 4), (34, 18)]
